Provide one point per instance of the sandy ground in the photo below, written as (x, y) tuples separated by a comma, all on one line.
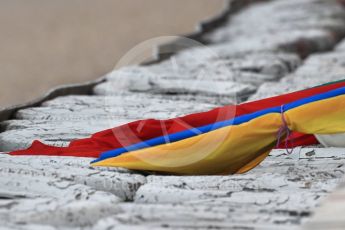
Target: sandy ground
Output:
[(45, 43)]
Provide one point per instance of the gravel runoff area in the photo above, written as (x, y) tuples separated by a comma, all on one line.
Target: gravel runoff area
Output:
[(266, 49)]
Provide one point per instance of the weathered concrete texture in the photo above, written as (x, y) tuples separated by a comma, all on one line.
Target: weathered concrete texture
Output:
[(269, 63), (62, 192), (46, 200), (145, 97), (300, 42), (331, 213), (341, 46), (279, 194), (152, 84), (308, 23), (259, 56), (119, 182), (317, 69), (198, 216), (165, 110), (206, 64)]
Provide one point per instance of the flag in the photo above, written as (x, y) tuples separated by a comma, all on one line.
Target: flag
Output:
[(228, 139)]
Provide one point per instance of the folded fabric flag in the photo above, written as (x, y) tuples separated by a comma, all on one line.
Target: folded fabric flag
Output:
[(238, 144), (224, 140)]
